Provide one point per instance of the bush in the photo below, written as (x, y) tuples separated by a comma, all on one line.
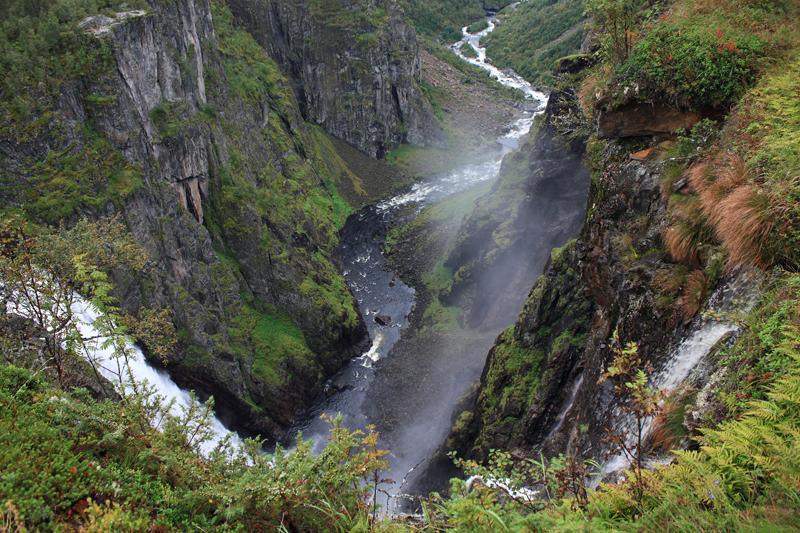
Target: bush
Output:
[(692, 67)]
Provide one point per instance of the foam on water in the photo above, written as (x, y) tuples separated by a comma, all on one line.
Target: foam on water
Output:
[(141, 372)]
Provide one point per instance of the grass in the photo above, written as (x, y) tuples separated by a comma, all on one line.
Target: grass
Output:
[(442, 20), (746, 187)]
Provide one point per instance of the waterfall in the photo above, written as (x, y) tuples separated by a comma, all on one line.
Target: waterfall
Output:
[(141, 372), (706, 332), (98, 350)]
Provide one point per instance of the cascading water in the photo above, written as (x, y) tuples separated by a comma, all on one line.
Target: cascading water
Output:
[(706, 332), (136, 369)]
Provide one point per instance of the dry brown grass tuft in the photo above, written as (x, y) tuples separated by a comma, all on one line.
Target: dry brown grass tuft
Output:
[(741, 214), (668, 429), (693, 294), (688, 232)]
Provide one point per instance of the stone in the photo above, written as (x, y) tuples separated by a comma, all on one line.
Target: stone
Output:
[(638, 120), (643, 155), (383, 320)]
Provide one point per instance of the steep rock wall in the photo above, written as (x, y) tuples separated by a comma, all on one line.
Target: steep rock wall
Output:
[(355, 67), (193, 135), (540, 386), (537, 203)]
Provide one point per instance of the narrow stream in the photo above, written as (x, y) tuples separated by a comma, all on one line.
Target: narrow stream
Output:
[(733, 297)]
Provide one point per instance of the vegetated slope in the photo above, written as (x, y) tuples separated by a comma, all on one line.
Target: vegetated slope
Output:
[(67, 453), (354, 64), (176, 120), (673, 213), (443, 19), (532, 35)]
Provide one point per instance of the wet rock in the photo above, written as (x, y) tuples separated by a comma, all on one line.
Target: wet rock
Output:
[(383, 320)]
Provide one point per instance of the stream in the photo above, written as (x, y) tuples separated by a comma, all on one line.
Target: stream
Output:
[(410, 395), (359, 392)]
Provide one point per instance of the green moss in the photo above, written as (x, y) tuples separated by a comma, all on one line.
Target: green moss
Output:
[(251, 74), (513, 376), (88, 175), (272, 340)]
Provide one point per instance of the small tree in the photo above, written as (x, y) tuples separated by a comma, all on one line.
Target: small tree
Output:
[(616, 18), (640, 402), (44, 273)]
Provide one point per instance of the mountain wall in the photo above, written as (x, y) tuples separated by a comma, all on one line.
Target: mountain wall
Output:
[(192, 133), (354, 65)]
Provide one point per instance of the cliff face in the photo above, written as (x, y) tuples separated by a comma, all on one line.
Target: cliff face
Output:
[(540, 385), (537, 203), (354, 66), (192, 134)]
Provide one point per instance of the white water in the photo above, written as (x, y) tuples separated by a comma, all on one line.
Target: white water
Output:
[(139, 372), (99, 352), (507, 77), (573, 395), (466, 177), (706, 333)]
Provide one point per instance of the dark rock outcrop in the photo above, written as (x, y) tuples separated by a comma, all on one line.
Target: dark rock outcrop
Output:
[(354, 64), (641, 119), (540, 386)]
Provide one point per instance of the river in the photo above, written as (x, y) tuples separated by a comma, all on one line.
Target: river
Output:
[(407, 389), (410, 396)]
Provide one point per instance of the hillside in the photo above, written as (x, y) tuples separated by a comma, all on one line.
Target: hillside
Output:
[(533, 34), (249, 191)]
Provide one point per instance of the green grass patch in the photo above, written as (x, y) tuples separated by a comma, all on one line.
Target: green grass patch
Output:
[(272, 340)]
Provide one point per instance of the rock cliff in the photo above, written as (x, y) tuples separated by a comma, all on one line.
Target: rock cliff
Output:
[(539, 389), (354, 66), (537, 203), (192, 133)]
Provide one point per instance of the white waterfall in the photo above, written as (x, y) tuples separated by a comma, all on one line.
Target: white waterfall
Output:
[(140, 371), (734, 296)]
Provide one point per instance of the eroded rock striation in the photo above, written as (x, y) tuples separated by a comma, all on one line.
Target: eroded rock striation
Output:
[(354, 65)]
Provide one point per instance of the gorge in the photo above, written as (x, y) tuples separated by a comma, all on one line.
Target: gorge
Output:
[(465, 265)]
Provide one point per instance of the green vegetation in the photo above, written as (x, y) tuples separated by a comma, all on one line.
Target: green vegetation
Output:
[(81, 176), (273, 342), (42, 49), (443, 19), (696, 55), (73, 463), (531, 37), (250, 73), (362, 15)]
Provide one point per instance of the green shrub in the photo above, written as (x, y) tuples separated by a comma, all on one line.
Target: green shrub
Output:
[(691, 66)]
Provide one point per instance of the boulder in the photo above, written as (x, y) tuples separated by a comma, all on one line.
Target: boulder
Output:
[(638, 119)]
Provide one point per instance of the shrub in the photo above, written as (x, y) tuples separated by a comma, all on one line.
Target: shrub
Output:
[(693, 67)]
